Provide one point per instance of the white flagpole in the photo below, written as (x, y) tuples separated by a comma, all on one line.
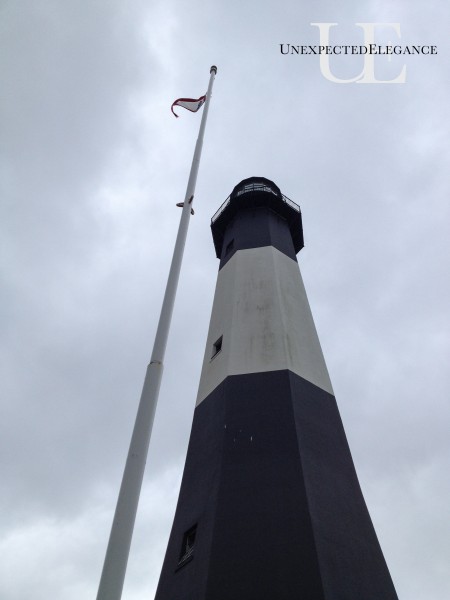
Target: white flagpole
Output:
[(114, 567)]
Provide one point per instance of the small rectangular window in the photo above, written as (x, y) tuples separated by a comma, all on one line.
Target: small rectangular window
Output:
[(187, 546), (217, 347)]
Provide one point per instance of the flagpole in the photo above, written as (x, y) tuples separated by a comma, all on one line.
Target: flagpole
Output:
[(114, 567)]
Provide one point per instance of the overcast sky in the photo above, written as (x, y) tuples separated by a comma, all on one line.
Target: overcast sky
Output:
[(92, 165)]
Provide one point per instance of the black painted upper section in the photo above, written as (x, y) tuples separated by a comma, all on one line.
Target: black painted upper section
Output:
[(270, 483), (256, 228), (257, 196)]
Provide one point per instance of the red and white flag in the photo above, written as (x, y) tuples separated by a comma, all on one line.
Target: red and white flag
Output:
[(189, 104)]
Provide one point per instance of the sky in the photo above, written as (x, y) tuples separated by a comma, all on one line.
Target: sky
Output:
[(92, 164)]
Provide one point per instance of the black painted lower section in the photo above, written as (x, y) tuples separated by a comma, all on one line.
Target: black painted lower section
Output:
[(270, 483)]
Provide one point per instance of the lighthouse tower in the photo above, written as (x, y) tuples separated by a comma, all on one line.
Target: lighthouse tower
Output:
[(270, 507)]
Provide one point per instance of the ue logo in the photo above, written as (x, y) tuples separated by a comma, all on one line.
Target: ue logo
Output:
[(367, 74)]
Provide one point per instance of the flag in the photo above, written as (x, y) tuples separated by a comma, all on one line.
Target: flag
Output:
[(189, 104)]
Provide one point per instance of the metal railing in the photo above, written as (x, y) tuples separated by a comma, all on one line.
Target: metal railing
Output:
[(220, 210), (250, 188)]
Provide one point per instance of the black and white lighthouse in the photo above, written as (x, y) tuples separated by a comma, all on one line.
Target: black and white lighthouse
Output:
[(270, 507)]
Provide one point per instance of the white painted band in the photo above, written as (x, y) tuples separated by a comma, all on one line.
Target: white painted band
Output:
[(262, 313)]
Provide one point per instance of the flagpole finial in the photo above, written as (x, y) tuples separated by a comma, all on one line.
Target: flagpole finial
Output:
[(213, 68)]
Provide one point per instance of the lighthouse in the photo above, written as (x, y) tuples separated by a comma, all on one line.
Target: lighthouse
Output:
[(270, 507)]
